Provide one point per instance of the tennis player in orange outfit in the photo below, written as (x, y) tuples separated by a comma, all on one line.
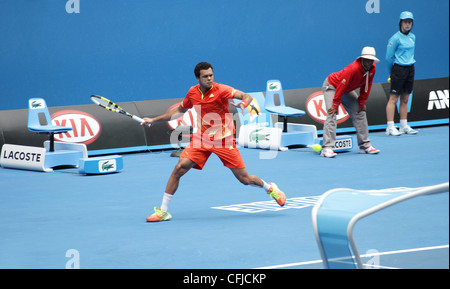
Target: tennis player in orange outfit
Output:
[(215, 134)]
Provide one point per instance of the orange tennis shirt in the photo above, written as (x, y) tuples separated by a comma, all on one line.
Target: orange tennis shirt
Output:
[(215, 122)]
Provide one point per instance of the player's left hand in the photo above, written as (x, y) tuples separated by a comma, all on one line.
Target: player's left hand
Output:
[(240, 105)]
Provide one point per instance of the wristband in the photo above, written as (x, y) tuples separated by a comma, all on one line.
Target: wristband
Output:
[(244, 103)]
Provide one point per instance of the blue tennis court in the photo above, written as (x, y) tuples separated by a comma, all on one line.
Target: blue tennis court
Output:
[(48, 219)]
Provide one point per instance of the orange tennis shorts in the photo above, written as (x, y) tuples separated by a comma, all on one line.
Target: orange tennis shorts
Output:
[(230, 156)]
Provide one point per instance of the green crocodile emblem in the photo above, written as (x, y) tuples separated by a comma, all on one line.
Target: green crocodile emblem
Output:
[(256, 136), (273, 86), (35, 104), (106, 166)]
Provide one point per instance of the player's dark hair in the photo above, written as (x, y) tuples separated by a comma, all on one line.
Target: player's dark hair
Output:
[(202, 66)]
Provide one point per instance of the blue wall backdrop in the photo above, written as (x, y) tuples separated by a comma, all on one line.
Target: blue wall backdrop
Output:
[(66, 50)]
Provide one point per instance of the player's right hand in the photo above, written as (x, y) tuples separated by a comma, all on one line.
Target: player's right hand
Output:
[(147, 121)]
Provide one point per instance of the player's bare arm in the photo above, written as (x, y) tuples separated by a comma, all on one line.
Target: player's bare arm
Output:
[(245, 100), (174, 113)]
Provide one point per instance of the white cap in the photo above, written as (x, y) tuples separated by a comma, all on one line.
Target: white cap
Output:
[(369, 53)]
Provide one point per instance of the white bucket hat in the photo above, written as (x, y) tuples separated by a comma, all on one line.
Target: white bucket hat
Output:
[(369, 53)]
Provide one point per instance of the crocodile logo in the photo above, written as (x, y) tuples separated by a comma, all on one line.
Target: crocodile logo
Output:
[(36, 104), (273, 86), (106, 166), (256, 136)]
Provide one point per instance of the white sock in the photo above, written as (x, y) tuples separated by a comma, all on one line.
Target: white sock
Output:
[(403, 122), (266, 186), (166, 201), (390, 124)]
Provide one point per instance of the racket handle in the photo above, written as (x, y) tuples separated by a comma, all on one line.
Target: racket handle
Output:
[(140, 120)]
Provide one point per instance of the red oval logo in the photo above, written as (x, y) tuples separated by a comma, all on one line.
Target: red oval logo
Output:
[(315, 106), (85, 128)]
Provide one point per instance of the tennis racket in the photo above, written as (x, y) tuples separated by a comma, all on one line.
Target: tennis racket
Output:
[(114, 107)]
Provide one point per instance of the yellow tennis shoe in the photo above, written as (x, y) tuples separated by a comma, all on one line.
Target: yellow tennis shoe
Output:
[(277, 194), (159, 215)]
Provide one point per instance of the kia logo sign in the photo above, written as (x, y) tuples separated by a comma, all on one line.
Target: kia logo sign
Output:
[(315, 106), (85, 128)]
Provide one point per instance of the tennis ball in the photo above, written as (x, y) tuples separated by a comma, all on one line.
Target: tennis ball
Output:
[(317, 147)]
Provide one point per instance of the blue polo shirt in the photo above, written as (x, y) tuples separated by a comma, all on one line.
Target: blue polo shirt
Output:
[(400, 50)]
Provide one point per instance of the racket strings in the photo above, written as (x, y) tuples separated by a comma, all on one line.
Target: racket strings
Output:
[(111, 106), (107, 104)]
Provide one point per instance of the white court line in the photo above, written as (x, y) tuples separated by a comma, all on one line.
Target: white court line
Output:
[(257, 207), (365, 255)]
